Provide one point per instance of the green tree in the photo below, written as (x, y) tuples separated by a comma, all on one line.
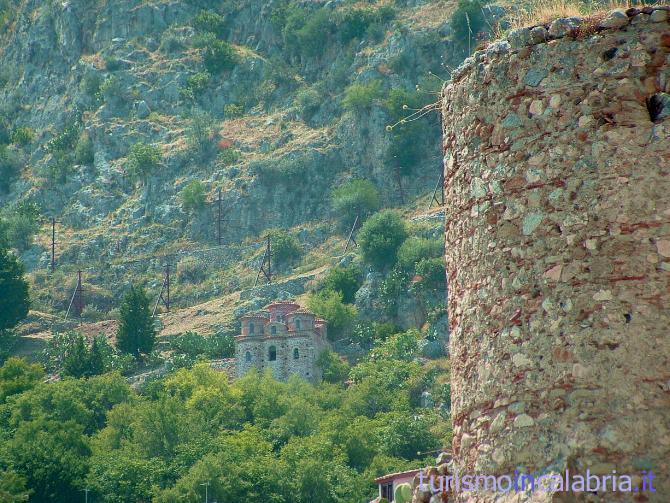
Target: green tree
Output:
[(220, 56), (416, 249), (285, 247), (345, 280), (143, 159), (209, 22), (192, 196), (10, 167), (333, 369), (360, 97), (380, 238), (14, 299), (468, 20), (136, 333), (52, 456), (17, 376), (357, 197), (13, 488), (328, 305)]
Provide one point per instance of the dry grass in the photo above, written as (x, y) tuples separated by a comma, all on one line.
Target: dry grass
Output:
[(537, 12)]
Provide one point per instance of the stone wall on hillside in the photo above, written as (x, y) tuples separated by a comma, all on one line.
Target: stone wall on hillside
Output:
[(557, 187)]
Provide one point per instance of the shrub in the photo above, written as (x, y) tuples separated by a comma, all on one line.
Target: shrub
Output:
[(112, 63), (10, 168), (345, 280), (228, 156), (220, 56), (357, 197), (192, 344), (83, 152), (22, 223), (468, 20), (233, 110), (360, 97), (432, 273), (353, 23), (91, 84), (285, 247), (333, 369), (416, 249), (191, 270), (203, 40), (14, 299), (329, 306), (192, 196), (306, 33), (200, 132), (209, 21), (23, 136), (198, 82), (380, 238), (143, 159)]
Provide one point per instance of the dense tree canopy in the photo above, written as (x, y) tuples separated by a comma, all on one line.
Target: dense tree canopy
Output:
[(256, 439), (14, 300)]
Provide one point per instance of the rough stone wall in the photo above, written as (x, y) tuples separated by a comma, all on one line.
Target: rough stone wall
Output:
[(557, 185)]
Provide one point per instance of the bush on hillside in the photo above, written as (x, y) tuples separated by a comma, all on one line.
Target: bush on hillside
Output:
[(345, 280), (333, 369), (359, 97), (192, 196), (143, 159), (10, 168), (220, 56), (23, 136), (285, 247), (329, 306), (468, 20), (415, 249), (83, 151), (357, 197), (380, 238), (208, 21), (191, 270)]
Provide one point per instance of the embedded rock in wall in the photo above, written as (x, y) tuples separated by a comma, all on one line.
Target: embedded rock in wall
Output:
[(557, 183)]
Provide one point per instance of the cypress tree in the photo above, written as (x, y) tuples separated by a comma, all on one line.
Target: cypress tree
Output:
[(136, 333), (14, 299)]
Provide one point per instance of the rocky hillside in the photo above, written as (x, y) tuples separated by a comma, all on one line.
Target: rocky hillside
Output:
[(124, 120)]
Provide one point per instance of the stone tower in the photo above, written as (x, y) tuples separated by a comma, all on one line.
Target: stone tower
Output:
[(557, 189), (283, 338)]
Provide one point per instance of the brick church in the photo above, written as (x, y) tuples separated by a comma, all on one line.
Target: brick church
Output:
[(282, 337)]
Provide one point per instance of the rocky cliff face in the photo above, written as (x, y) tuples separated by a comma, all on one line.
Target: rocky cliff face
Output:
[(271, 133)]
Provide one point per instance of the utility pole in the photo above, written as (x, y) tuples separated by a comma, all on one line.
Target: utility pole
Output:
[(53, 244), (206, 484), (79, 297), (267, 260), (165, 289), (86, 494), (351, 239)]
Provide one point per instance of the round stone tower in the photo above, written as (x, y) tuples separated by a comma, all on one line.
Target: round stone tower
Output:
[(557, 189)]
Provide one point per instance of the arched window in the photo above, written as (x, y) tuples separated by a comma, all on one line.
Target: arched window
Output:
[(273, 330), (251, 328), (296, 354), (297, 324), (247, 356), (272, 353)]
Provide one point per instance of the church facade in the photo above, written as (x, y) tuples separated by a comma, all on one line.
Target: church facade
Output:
[(284, 338)]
